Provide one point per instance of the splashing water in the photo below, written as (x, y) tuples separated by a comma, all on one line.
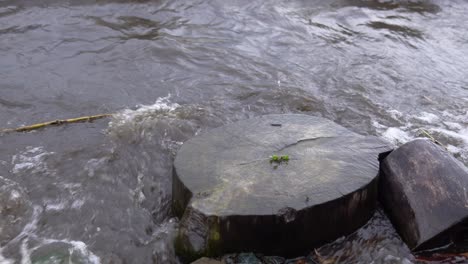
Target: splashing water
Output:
[(100, 192)]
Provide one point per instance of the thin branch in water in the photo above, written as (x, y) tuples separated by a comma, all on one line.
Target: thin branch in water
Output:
[(55, 123)]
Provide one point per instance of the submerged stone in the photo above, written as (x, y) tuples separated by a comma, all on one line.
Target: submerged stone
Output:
[(232, 198), (424, 190), (247, 258)]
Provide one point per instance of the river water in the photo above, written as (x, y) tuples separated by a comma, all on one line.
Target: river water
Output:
[(100, 192)]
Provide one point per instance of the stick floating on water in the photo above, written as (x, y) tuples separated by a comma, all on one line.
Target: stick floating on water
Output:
[(55, 123)]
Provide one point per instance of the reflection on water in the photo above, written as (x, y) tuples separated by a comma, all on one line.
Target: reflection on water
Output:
[(420, 7), (402, 30), (100, 192)]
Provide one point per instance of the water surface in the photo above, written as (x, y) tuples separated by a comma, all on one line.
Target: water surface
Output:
[(100, 192)]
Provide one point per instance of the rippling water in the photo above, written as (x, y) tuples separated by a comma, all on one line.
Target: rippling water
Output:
[(100, 192)]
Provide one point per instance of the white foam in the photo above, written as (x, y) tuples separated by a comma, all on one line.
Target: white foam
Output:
[(428, 117), (28, 233), (93, 164), (23, 237), (82, 248), (142, 112), (29, 228), (461, 118), (134, 125), (76, 246), (395, 114), (452, 149), (448, 127), (25, 252), (378, 125), (51, 205), (461, 135), (396, 135), (77, 204), (32, 160), (453, 125), (14, 195), (54, 206)]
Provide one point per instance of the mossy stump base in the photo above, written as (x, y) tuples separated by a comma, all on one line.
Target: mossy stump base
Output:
[(231, 197)]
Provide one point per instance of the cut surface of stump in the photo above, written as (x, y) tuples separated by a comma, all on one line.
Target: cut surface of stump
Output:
[(231, 197), (424, 190)]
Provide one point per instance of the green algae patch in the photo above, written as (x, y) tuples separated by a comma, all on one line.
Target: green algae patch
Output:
[(184, 250), (208, 242), (279, 159), (214, 243)]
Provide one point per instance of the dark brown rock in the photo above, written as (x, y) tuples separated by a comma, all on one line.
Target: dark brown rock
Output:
[(424, 190), (231, 198)]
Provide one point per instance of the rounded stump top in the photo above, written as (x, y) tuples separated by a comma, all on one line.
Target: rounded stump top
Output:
[(229, 171)]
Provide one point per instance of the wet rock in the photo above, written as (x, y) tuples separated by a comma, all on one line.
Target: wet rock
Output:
[(229, 259), (425, 193), (232, 198), (247, 258), (15, 210), (299, 260), (206, 261), (273, 260)]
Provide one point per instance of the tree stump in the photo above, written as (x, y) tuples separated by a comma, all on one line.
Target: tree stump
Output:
[(231, 197), (424, 190)]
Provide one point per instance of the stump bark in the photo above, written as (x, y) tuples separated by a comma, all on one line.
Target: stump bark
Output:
[(232, 198), (424, 190)]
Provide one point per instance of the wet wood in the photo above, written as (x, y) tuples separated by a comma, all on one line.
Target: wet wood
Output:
[(424, 190), (231, 197), (54, 123)]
